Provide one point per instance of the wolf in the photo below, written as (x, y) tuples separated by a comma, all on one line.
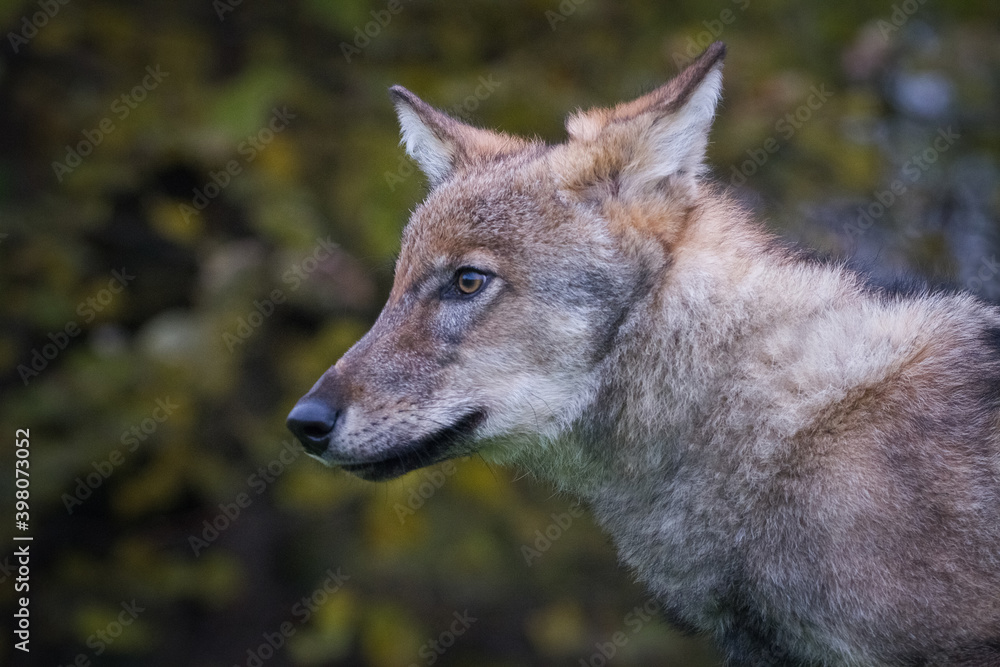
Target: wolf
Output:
[(796, 462)]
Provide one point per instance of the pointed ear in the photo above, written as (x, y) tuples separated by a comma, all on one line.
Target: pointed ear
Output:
[(439, 143), (662, 135)]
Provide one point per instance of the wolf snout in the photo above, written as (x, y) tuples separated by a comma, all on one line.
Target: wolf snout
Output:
[(313, 422)]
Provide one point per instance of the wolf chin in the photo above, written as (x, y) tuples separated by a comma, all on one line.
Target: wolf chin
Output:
[(795, 462)]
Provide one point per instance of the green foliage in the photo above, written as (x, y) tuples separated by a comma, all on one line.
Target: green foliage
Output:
[(256, 191)]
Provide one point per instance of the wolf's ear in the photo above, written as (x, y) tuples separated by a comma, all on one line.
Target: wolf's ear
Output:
[(439, 143), (661, 135)]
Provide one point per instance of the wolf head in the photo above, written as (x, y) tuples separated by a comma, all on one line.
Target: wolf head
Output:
[(515, 280)]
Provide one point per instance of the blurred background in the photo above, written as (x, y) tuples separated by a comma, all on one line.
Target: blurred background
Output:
[(200, 205)]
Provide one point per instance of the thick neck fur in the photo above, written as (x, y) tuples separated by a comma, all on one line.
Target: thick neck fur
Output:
[(685, 397), (799, 464), (698, 423)]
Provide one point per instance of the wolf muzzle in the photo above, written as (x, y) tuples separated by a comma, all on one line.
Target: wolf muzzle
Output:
[(318, 421)]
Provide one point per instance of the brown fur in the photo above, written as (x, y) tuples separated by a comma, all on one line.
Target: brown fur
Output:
[(803, 466)]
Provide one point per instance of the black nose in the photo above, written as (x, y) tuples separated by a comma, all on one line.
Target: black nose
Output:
[(312, 423)]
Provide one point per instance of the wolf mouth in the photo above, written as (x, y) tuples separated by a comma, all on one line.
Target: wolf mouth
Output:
[(433, 448)]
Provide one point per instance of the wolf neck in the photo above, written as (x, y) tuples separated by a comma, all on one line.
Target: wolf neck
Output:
[(710, 380), (678, 393)]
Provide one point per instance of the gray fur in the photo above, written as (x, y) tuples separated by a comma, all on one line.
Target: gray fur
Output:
[(799, 465)]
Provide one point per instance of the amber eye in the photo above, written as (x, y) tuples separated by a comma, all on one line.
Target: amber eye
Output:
[(469, 282)]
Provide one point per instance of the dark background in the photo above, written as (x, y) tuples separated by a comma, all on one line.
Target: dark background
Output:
[(156, 400)]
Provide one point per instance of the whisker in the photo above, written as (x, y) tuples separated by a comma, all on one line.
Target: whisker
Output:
[(488, 467), (518, 478)]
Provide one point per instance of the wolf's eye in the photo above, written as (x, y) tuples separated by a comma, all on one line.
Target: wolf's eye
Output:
[(469, 282)]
